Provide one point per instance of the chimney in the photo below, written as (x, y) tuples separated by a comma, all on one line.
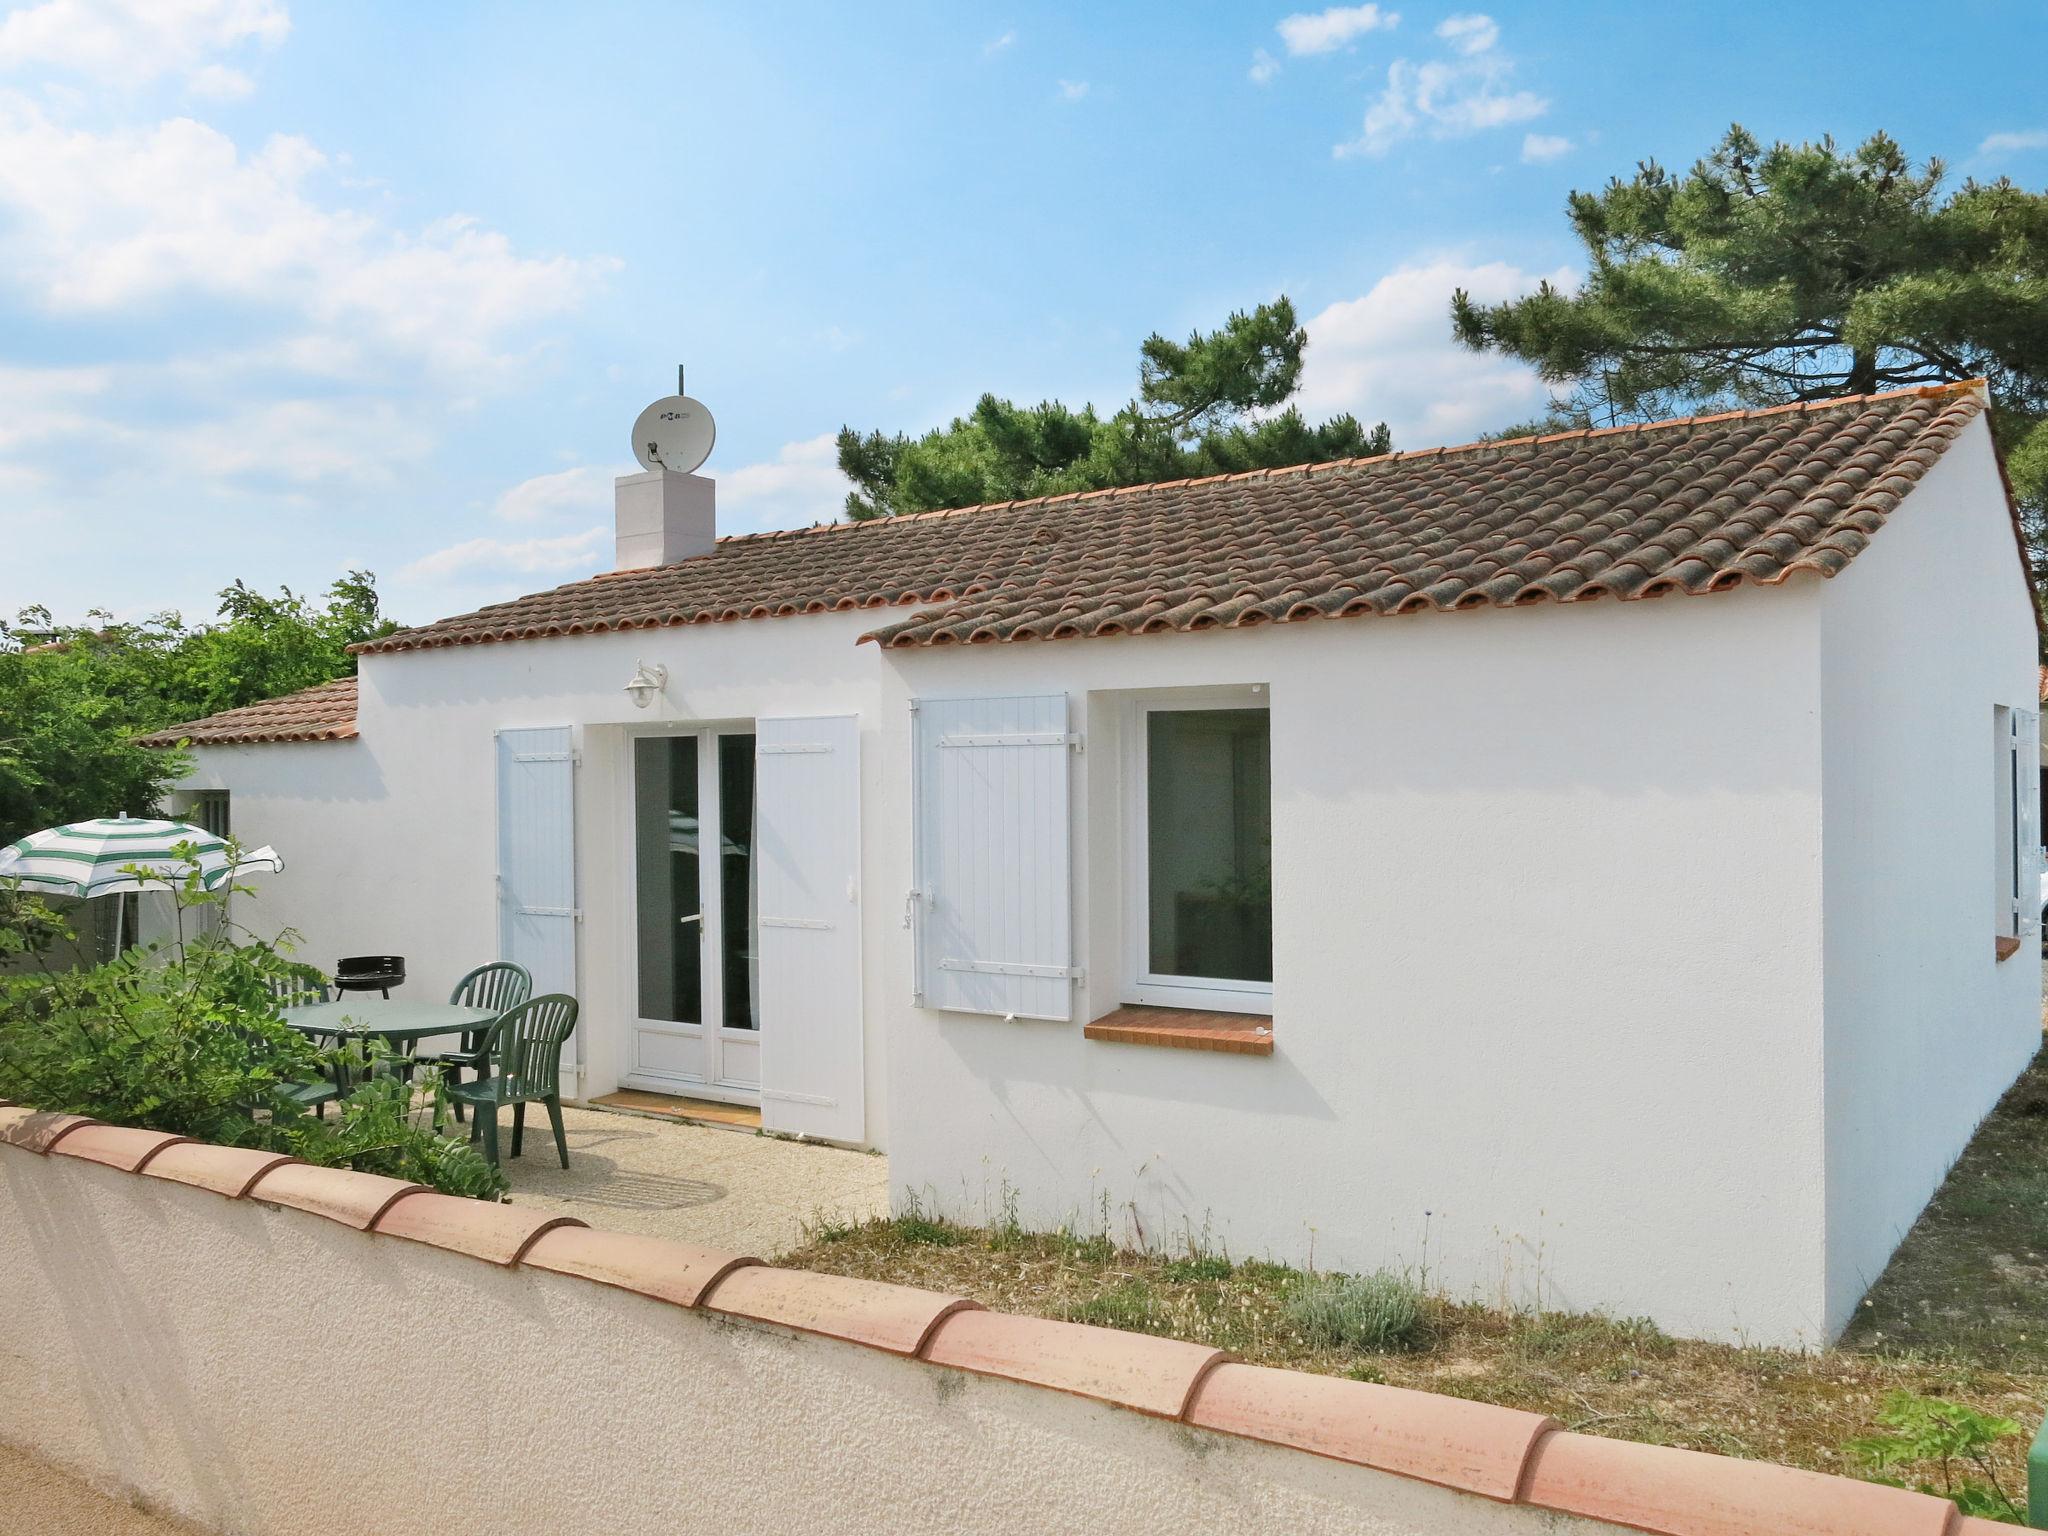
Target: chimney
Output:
[(664, 517)]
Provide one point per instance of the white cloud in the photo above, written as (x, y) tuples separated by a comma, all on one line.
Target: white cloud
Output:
[(294, 444), (1326, 31), (1469, 34), (1264, 67), (133, 42), (801, 485), (2008, 143), (584, 489), (1538, 147), (101, 222), (571, 554), (217, 82), (1073, 90), (357, 336), (996, 45), (1447, 98), (1388, 355), (40, 404)]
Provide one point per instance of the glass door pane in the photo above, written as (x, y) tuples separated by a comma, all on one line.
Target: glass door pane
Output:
[(665, 836), (736, 880), (1209, 870)]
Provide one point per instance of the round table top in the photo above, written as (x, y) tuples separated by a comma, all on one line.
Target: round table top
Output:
[(399, 1023)]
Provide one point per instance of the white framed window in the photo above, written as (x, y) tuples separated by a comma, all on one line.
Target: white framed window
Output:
[(1198, 856)]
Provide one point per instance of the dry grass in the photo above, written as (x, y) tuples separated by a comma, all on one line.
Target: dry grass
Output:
[(1961, 1315)]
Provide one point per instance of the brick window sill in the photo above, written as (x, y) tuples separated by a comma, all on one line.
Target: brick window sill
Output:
[(1184, 1029), (2008, 946)]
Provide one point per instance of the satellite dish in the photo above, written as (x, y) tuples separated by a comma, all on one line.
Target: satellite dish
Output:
[(675, 433)]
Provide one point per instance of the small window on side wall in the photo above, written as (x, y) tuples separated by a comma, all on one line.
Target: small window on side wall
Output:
[(1199, 866), (209, 811)]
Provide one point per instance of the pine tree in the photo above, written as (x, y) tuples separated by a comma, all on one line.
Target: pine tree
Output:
[(1210, 405)]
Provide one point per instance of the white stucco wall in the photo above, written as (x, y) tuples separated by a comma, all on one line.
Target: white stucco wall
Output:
[(1546, 934), (1922, 638), (1546, 916), (265, 1372)]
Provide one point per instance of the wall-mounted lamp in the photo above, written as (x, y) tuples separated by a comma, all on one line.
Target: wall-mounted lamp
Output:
[(647, 682)]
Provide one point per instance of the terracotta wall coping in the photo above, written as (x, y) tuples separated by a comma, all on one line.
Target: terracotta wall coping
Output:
[(1497, 1453)]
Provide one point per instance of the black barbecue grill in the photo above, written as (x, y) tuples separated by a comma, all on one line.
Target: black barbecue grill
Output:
[(369, 973)]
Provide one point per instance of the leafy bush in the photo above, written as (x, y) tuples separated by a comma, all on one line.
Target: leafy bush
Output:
[(186, 1037), (1379, 1311), (1956, 1439)]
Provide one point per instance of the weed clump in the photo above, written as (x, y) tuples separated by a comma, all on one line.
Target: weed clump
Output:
[(1380, 1312)]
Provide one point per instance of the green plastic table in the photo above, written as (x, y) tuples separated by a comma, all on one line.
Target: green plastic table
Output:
[(397, 1024)]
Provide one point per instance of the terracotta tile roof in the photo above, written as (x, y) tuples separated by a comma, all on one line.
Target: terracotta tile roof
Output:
[(324, 712), (1697, 505)]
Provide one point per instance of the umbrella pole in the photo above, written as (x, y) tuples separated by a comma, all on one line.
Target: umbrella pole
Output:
[(120, 913)]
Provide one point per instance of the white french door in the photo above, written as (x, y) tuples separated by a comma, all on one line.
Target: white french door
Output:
[(696, 1027)]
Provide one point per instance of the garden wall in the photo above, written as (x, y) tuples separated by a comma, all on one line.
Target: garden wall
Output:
[(263, 1347)]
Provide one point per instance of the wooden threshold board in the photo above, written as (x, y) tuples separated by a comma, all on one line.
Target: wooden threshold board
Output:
[(740, 1116)]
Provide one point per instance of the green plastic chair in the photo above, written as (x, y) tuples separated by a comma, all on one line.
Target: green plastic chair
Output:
[(300, 985), (499, 986), (525, 1047)]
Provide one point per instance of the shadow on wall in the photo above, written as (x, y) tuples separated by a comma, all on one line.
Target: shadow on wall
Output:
[(134, 1394)]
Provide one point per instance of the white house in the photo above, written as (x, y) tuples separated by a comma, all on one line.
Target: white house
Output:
[(1345, 864)]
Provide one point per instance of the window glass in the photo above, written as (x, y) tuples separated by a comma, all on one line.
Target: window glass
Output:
[(1208, 797), (210, 811), (736, 878), (665, 836)]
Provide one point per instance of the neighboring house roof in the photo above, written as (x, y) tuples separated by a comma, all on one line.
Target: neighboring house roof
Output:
[(324, 712), (1696, 505)]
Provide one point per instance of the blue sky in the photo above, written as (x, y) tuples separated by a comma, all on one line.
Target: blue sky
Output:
[(287, 288)]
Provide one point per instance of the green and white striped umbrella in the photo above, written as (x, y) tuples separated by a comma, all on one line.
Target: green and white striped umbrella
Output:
[(92, 858)]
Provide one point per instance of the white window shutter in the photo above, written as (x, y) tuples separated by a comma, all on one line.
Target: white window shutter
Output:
[(2026, 765), (992, 903), (537, 913)]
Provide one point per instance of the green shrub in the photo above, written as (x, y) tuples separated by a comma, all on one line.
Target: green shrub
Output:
[(1957, 1441), (1381, 1312), (186, 1037)]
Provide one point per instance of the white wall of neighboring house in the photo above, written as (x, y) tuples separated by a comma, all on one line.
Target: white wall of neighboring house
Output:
[(1550, 942), (1922, 638)]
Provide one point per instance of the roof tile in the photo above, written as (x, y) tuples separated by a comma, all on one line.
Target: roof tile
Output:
[(126, 1147), (36, 1130), (1770, 493), (897, 1318), (324, 712), (226, 1171), (483, 1229), (650, 1266), (1691, 1493), (340, 1194), (1133, 1370), (1478, 1447)]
